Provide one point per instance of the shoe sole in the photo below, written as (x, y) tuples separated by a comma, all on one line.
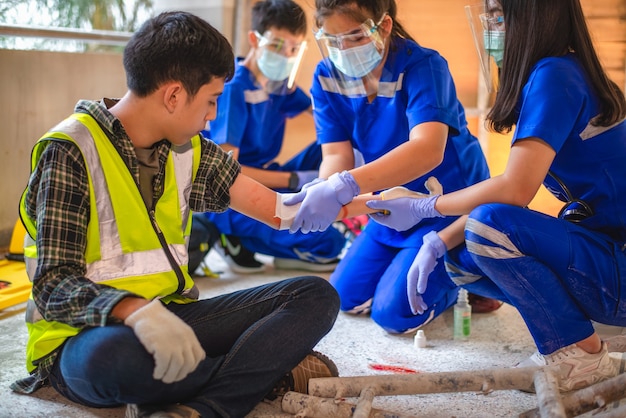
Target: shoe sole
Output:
[(243, 270), (295, 264), (315, 365)]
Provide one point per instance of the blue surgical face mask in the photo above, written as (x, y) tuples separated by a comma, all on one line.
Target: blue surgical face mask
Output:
[(275, 66), (494, 45), (357, 61)]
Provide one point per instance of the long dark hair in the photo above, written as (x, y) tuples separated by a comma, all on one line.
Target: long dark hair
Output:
[(537, 29), (377, 8)]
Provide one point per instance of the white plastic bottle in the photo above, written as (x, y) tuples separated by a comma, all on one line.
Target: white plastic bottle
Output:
[(462, 316), (420, 339)]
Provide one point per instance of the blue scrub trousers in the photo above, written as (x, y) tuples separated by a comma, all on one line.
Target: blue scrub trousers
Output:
[(559, 275), (372, 278)]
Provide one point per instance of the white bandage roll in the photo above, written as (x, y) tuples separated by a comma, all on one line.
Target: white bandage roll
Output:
[(284, 212)]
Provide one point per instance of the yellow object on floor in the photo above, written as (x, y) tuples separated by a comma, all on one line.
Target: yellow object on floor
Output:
[(16, 246), (14, 283)]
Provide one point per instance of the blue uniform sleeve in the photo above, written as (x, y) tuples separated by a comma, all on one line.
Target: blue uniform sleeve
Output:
[(431, 93), (549, 107), (232, 117), (296, 103)]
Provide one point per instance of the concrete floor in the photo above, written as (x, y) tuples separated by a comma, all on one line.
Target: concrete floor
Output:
[(358, 346)]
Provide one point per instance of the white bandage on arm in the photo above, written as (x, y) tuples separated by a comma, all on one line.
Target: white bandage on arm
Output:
[(284, 212)]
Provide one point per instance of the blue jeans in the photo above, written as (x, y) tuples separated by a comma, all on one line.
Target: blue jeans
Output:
[(559, 275), (252, 338)]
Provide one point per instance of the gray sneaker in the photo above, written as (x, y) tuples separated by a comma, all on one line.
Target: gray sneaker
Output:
[(578, 369)]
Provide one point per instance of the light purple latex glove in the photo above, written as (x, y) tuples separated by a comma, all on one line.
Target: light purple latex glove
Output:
[(424, 264), (321, 202), (305, 177), (404, 212)]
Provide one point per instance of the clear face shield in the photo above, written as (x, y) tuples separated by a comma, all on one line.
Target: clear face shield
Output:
[(352, 56), (279, 60), (487, 25)]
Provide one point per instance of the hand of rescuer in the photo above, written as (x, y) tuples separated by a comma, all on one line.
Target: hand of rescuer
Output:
[(321, 202), (424, 264), (401, 208)]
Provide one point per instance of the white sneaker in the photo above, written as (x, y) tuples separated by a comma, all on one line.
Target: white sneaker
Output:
[(578, 369)]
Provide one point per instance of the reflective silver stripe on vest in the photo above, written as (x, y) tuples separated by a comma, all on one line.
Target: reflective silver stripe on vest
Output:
[(114, 263), (355, 87), (183, 167)]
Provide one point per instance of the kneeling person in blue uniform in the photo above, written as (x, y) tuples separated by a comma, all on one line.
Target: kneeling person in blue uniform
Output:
[(250, 123)]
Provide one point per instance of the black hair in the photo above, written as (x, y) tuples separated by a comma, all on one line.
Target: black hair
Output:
[(537, 29), (376, 8), (281, 14), (176, 46)]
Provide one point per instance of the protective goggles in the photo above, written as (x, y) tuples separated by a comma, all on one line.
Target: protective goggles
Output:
[(279, 45), (279, 61), (492, 21), (366, 32), (351, 57)]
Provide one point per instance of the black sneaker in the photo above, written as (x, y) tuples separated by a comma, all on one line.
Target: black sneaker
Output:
[(315, 365), (239, 259)]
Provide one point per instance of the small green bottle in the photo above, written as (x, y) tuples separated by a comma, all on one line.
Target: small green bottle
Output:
[(462, 316)]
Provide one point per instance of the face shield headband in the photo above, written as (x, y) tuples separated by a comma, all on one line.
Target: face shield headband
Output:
[(350, 58), (488, 33)]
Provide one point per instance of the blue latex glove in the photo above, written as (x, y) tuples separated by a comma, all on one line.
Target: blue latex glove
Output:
[(321, 202), (424, 264), (305, 177), (404, 212)]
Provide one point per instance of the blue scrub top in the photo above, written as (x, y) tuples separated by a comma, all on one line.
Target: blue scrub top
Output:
[(415, 87), (251, 119), (557, 105)]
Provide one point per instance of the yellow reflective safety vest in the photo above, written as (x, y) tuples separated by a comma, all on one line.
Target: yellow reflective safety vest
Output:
[(123, 246)]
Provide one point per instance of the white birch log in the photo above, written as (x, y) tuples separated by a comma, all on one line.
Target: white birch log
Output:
[(587, 399), (442, 382), (548, 395)]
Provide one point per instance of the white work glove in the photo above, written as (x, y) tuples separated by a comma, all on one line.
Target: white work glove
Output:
[(176, 350)]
